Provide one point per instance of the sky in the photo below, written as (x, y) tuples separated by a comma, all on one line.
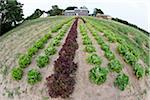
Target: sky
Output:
[(134, 11)]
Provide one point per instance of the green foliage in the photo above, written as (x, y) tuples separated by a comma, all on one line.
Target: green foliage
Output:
[(132, 43), (122, 81), (139, 70), (98, 75), (130, 55), (109, 55), (85, 37), (70, 8), (110, 35), (34, 76), (90, 49), (58, 37), (120, 40), (48, 35), (130, 58), (39, 44), (147, 71), (87, 41), (61, 26), (82, 29), (123, 49), (94, 59), (37, 13), (24, 61), (55, 42), (135, 53), (138, 39), (105, 47), (17, 73), (115, 65), (97, 11), (132, 25), (55, 11), (42, 61), (44, 39), (99, 40), (56, 28), (62, 29), (51, 50), (111, 38), (11, 12), (32, 51)]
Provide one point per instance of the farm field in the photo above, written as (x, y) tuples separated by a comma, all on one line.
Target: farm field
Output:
[(74, 58)]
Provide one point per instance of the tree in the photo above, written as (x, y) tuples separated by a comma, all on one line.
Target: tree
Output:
[(10, 13), (70, 8), (96, 10), (132, 25), (55, 11), (37, 13)]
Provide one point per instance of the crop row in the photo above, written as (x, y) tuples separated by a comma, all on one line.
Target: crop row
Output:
[(55, 28), (61, 83), (130, 55), (43, 60), (25, 59), (86, 40), (97, 74), (109, 34), (114, 64)]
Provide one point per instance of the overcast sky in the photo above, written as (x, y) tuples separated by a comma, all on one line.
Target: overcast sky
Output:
[(134, 11)]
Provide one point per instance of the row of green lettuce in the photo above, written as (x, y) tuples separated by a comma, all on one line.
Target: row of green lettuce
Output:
[(98, 74), (114, 65), (129, 53), (136, 39), (25, 60)]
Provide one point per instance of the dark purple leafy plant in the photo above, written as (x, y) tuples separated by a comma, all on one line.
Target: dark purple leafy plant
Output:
[(61, 83)]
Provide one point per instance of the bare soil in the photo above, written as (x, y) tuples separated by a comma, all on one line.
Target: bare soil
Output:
[(18, 43)]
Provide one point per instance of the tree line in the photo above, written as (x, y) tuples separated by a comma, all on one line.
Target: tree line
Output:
[(129, 24)]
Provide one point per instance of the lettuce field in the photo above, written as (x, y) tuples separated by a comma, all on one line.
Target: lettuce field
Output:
[(74, 58)]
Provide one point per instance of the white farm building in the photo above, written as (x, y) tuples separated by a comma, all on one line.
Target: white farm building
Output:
[(82, 11)]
